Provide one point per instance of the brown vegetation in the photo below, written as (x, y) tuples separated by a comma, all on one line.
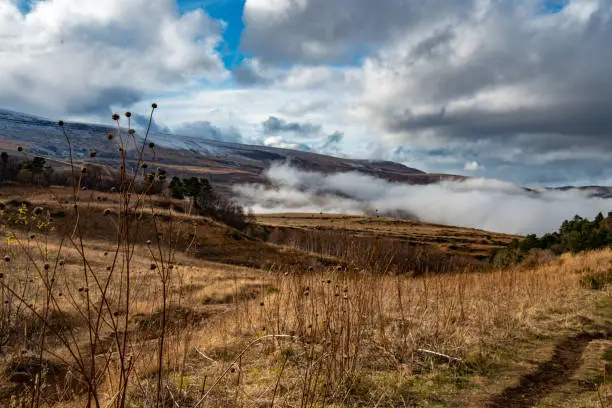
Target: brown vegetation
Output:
[(127, 299)]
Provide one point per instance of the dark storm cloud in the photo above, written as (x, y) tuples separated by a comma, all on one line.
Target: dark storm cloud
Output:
[(274, 125), (333, 31)]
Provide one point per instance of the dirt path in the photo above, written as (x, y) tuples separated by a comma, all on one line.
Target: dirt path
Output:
[(548, 376)]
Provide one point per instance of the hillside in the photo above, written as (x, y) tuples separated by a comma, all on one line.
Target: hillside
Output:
[(478, 244), (197, 312), (225, 163)]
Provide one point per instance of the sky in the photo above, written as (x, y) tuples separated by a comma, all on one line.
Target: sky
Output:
[(517, 90)]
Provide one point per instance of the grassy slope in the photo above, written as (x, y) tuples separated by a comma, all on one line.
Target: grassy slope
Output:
[(456, 240), (356, 337)]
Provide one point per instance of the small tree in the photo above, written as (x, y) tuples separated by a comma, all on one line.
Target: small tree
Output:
[(35, 167), (192, 187), (177, 189), (4, 159)]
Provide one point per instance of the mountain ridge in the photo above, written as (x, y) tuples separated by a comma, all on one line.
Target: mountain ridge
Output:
[(224, 162)]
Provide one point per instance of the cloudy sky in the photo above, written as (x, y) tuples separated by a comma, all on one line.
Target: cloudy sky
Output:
[(519, 90)]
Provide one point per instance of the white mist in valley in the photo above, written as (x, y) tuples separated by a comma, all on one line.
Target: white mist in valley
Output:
[(487, 204)]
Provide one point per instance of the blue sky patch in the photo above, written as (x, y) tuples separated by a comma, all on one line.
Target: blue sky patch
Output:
[(554, 6), (230, 11)]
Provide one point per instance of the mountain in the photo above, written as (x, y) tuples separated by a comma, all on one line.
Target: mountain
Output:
[(224, 163), (594, 191)]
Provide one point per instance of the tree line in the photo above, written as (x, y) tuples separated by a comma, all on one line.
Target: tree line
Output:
[(207, 200), (575, 235)]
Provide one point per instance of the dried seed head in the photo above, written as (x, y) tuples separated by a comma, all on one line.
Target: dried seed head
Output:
[(46, 266), (261, 304), (80, 289), (93, 154), (60, 123), (115, 116), (131, 131), (116, 314), (60, 294), (107, 212), (154, 105), (128, 114), (38, 210), (153, 266), (151, 145), (105, 253), (110, 136), (32, 236), (62, 262), (108, 268)]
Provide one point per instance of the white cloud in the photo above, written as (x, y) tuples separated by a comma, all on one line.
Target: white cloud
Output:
[(471, 166), (76, 57), (521, 92), (478, 203)]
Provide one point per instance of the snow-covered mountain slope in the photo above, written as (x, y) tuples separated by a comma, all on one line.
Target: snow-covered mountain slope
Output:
[(185, 155)]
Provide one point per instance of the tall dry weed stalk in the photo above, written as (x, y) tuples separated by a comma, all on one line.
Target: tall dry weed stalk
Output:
[(42, 283)]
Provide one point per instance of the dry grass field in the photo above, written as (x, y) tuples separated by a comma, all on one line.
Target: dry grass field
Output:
[(461, 241), (128, 299), (110, 303)]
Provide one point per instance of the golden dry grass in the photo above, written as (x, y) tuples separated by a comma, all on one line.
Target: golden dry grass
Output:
[(279, 334), (464, 241)]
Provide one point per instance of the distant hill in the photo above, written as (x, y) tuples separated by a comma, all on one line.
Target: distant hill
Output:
[(225, 163)]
